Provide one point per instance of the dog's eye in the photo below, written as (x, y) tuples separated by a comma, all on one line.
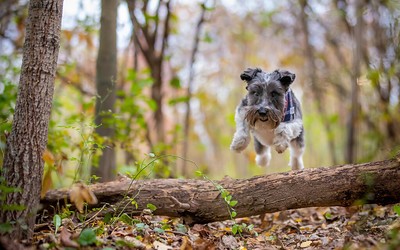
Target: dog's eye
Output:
[(255, 93), (274, 94)]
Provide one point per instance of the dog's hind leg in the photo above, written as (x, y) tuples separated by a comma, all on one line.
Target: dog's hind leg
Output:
[(263, 156), (296, 152)]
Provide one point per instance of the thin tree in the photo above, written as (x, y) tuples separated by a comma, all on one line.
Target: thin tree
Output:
[(23, 163), (106, 73), (152, 34), (355, 107), (189, 90)]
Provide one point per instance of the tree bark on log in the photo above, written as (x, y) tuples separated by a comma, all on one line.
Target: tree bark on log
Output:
[(198, 201)]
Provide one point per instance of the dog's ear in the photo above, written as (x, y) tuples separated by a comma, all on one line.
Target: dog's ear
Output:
[(249, 74), (286, 77)]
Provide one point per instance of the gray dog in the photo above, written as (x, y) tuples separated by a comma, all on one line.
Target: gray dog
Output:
[(272, 113)]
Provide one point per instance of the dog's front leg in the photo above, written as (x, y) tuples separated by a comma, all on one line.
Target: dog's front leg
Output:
[(241, 138), (285, 132)]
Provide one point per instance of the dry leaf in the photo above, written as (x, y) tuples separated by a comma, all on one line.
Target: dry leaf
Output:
[(81, 193), (161, 246), (48, 157), (65, 238), (186, 244), (305, 244), (47, 183)]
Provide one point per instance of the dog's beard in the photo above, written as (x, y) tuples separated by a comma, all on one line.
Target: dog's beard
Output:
[(273, 117)]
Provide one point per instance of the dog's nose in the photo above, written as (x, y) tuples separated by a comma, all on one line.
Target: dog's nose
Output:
[(262, 111)]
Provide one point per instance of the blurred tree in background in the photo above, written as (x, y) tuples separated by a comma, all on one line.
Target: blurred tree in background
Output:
[(345, 55), (106, 78)]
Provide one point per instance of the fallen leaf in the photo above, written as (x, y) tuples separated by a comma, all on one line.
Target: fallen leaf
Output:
[(161, 246), (305, 244), (81, 193), (186, 244), (65, 239)]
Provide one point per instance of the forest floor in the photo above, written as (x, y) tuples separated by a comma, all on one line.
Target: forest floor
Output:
[(362, 227)]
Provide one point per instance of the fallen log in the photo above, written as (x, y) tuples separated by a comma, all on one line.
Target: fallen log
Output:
[(198, 201)]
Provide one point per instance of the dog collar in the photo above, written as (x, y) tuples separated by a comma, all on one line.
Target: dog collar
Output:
[(288, 114)]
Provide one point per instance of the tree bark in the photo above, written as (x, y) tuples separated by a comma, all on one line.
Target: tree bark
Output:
[(23, 163), (198, 201), (106, 73)]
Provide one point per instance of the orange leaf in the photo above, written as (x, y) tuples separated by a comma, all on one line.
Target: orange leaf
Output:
[(48, 157), (47, 183), (81, 193)]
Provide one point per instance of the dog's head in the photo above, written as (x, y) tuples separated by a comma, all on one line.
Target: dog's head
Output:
[(266, 95)]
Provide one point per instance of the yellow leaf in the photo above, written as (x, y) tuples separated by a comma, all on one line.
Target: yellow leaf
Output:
[(47, 183), (48, 157), (305, 244), (79, 194)]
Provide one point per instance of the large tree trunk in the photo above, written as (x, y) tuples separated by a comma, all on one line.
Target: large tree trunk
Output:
[(106, 73), (23, 163), (198, 201)]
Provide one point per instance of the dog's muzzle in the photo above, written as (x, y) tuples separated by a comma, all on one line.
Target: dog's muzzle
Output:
[(263, 114)]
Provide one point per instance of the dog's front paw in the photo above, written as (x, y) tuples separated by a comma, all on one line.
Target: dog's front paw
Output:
[(239, 143), (280, 148)]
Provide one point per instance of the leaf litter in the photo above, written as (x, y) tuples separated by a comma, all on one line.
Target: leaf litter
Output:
[(361, 227)]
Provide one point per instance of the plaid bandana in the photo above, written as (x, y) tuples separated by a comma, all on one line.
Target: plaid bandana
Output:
[(289, 107)]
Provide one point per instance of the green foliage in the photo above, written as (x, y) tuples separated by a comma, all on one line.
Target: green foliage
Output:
[(396, 209), (230, 203), (6, 227), (87, 237), (56, 222), (151, 207)]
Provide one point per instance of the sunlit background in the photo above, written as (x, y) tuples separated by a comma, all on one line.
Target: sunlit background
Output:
[(345, 55)]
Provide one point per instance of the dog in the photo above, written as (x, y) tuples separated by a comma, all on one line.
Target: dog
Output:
[(272, 114)]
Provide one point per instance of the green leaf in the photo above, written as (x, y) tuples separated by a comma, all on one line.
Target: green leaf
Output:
[(177, 100), (140, 226), (233, 214), (107, 218), (175, 82), (235, 229), (228, 198), (6, 228), (57, 222), (151, 207), (233, 203), (199, 173), (396, 208), (159, 230), (181, 228), (126, 219), (87, 237), (328, 215)]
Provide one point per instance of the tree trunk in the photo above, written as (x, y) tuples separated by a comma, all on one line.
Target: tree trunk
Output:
[(23, 163), (149, 39), (185, 149), (198, 201), (106, 73), (311, 70), (351, 147)]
